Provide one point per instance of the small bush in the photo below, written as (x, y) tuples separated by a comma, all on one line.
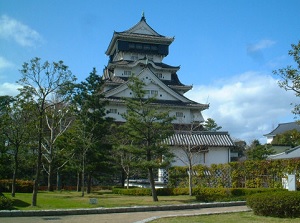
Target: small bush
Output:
[(282, 204), (147, 191), (22, 186), (228, 194), (212, 194), (5, 203), (132, 191)]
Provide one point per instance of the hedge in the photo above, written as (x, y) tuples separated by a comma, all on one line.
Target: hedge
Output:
[(201, 194), (5, 203), (247, 174), (228, 194), (283, 204), (22, 186)]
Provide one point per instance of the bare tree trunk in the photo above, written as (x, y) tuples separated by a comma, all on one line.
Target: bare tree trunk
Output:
[(82, 177), (152, 184), (123, 178), (78, 180), (39, 158), (89, 183), (58, 184), (13, 186), (190, 179), (37, 177), (50, 177), (127, 179)]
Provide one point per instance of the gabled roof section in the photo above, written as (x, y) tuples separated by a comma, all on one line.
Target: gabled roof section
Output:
[(141, 32), (143, 28), (179, 97), (200, 138), (145, 61), (283, 127)]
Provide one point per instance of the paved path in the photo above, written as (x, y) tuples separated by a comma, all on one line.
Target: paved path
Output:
[(132, 217)]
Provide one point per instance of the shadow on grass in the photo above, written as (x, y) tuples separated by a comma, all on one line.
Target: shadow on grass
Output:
[(20, 204)]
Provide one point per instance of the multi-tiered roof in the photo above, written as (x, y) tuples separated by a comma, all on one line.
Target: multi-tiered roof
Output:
[(151, 47)]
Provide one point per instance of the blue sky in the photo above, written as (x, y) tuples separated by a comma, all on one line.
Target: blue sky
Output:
[(226, 49)]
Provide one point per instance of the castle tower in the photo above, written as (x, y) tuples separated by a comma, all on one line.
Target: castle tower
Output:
[(140, 51)]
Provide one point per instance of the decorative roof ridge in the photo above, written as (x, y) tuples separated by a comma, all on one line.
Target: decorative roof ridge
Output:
[(143, 17), (186, 132), (280, 125), (142, 20)]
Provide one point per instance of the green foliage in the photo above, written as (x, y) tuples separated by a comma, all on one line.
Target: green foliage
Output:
[(283, 204), (40, 81), (146, 128), (22, 186), (5, 203), (202, 194), (256, 151), (228, 194), (211, 125), (147, 191), (290, 138), (290, 77), (247, 174), (91, 127), (132, 191)]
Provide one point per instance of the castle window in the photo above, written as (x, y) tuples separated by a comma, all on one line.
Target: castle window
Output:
[(179, 114), (131, 46), (139, 46), (159, 75), (151, 92), (127, 72), (154, 92), (113, 110)]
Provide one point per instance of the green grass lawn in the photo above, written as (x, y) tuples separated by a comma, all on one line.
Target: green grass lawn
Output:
[(67, 200), (243, 217)]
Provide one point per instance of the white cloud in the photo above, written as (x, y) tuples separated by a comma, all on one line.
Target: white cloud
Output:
[(262, 44), (4, 63), (247, 106), (9, 89), (22, 34)]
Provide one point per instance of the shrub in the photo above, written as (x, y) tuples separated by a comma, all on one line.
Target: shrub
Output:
[(132, 191), (283, 204), (5, 203), (228, 194), (22, 186), (212, 194)]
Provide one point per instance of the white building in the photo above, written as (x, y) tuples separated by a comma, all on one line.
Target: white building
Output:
[(282, 128), (140, 51)]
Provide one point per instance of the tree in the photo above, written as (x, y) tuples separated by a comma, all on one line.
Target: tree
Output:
[(91, 124), (123, 152), (290, 77), (290, 138), (211, 125), (40, 81), (256, 151), (5, 161), (189, 153), (146, 127), (58, 120), (17, 128)]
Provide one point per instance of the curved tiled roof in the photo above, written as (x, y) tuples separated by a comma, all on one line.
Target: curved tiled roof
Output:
[(203, 138), (283, 127), (165, 103), (128, 62)]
